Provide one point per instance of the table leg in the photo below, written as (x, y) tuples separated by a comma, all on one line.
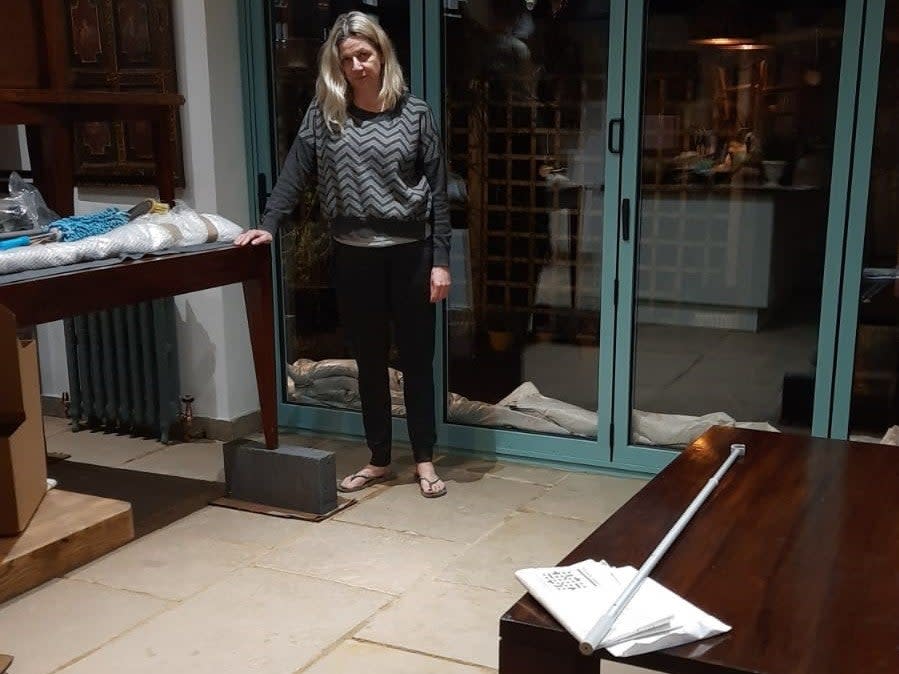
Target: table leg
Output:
[(53, 165), (164, 153), (257, 293)]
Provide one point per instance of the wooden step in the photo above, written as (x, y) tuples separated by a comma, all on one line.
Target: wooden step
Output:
[(67, 531)]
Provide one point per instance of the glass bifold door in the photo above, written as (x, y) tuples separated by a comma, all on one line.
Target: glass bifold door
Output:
[(666, 214)]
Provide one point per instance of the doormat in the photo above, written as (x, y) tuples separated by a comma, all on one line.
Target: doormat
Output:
[(156, 500)]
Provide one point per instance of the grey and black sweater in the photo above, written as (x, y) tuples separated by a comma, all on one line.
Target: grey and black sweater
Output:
[(381, 181)]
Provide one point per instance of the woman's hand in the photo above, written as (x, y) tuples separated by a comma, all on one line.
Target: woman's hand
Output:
[(254, 237), (440, 283)]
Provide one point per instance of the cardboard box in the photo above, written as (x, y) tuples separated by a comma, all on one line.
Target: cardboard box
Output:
[(23, 464)]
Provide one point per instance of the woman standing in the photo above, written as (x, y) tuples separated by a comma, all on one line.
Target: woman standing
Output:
[(382, 186)]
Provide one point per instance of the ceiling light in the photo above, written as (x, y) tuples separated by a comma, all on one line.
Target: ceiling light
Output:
[(722, 41)]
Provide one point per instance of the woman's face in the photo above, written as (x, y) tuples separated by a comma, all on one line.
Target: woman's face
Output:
[(360, 62)]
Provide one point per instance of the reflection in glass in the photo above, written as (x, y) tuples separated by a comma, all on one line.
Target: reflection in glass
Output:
[(524, 115), (739, 108), (874, 411)]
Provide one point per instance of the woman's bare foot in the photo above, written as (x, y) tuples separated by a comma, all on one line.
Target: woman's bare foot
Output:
[(364, 477), (428, 481)]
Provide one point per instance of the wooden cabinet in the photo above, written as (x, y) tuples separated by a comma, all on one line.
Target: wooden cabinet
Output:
[(97, 45)]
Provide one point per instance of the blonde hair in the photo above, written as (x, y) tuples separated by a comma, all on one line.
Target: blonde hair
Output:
[(331, 87)]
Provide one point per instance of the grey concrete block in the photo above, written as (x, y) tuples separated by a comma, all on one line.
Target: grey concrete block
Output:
[(299, 478)]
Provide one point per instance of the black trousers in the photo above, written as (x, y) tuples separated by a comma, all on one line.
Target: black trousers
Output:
[(377, 286)]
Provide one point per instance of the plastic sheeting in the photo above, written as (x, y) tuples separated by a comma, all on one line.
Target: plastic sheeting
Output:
[(334, 383), (679, 430), (528, 400), (891, 437), (182, 226)]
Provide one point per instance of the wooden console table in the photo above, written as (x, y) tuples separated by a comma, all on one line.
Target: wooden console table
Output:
[(57, 294), (797, 550)]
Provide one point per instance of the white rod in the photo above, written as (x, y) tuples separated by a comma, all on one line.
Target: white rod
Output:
[(601, 629)]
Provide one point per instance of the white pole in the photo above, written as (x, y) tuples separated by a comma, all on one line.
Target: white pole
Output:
[(601, 629)]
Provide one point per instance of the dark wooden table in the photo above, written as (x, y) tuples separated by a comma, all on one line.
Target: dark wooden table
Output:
[(797, 550), (56, 295)]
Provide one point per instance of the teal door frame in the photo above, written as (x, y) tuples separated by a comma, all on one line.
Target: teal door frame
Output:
[(863, 144), (652, 459), (544, 449)]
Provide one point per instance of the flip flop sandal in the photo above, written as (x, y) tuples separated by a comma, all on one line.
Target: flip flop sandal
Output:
[(369, 481), (431, 483)]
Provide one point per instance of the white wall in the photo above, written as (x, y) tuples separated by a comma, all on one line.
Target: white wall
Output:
[(213, 344)]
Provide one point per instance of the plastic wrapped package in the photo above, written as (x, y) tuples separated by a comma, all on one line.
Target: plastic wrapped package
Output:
[(673, 430), (24, 208), (528, 400), (679, 430), (334, 383), (461, 410), (146, 234), (191, 228)]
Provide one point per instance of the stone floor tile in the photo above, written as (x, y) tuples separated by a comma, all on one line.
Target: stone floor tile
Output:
[(524, 540), (587, 497), (55, 425), (244, 528), (200, 460), (444, 619), (65, 619), (356, 656), (504, 469), (169, 563), (468, 511), (255, 620), (378, 559)]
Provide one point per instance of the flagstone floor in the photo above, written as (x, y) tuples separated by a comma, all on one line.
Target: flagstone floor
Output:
[(394, 584)]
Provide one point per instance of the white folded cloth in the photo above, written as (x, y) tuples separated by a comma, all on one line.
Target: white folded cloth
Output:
[(655, 618)]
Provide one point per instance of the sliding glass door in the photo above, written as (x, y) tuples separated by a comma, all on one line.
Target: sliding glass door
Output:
[(731, 218), (317, 385), (866, 399), (527, 101)]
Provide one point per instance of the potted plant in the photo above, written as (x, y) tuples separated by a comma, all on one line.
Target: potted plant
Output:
[(311, 249)]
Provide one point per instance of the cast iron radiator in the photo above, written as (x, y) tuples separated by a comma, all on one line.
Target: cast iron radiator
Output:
[(123, 369)]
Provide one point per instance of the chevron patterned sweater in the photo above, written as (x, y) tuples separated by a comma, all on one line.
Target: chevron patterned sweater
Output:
[(381, 181)]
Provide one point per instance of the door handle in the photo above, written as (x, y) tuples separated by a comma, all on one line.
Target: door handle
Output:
[(625, 219), (616, 133)]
